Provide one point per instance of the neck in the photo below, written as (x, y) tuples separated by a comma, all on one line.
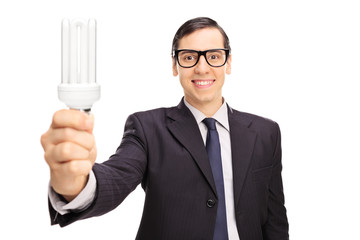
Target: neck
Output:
[(207, 108)]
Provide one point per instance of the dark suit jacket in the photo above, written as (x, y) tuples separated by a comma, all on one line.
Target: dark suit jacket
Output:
[(163, 150)]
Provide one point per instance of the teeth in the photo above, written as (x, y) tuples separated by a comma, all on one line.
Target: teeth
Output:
[(202, 83)]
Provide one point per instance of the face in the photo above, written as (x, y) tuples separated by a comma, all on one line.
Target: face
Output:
[(202, 83)]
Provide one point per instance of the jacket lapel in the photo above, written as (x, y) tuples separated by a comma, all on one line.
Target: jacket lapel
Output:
[(242, 146), (184, 128)]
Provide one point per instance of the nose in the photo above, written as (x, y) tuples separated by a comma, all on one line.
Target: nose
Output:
[(202, 66)]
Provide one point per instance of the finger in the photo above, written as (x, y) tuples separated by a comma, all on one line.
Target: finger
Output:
[(82, 138), (44, 140), (73, 119), (49, 156), (70, 177), (93, 155), (68, 151), (75, 168)]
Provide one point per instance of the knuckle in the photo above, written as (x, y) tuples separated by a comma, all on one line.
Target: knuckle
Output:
[(65, 150), (47, 157), (78, 167), (73, 167), (43, 140), (50, 160), (67, 133), (57, 116)]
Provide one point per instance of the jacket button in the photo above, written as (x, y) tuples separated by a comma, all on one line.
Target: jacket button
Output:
[(210, 203)]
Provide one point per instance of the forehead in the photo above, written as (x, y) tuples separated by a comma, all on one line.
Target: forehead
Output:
[(203, 39)]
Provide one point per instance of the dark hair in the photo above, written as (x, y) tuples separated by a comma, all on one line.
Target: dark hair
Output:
[(195, 24)]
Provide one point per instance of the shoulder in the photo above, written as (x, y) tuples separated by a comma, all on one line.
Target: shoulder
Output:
[(267, 131), (150, 118), (250, 118), (259, 124), (144, 125), (152, 114)]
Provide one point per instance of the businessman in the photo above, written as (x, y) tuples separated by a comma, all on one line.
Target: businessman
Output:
[(208, 171)]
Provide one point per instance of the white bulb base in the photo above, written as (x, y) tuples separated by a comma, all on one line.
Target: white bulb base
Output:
[(79, 96), (78, 88)]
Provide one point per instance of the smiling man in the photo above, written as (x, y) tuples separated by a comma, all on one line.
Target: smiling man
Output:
[(208, 171), (202, 76)]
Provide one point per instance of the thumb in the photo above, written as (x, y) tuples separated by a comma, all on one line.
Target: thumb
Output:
[(89, 123)]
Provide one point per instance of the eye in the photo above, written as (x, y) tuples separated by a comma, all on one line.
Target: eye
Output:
[(214, 55), (188, 56)]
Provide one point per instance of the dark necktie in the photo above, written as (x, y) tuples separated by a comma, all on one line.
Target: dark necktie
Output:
[(214, 154)]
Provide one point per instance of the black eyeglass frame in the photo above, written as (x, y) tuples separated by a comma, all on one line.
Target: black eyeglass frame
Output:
[(201, 53)]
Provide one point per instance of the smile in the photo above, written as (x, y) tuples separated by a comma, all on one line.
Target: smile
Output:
[(205, 83)]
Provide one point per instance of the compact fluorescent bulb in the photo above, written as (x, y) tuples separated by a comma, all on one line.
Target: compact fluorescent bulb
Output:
[(78, 88)]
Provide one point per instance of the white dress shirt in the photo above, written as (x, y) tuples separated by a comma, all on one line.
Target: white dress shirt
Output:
[(222, 126), (86, 197), (81, 202)]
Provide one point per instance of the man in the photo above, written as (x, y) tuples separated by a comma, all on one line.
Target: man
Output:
[(208, 171)]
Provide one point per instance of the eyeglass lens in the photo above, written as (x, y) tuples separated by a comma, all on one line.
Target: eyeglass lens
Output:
[(189, 58)]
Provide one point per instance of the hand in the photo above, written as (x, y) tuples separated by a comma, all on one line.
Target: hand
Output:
[(70, 151)]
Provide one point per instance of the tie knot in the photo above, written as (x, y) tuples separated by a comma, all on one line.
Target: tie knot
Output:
[(210, 123)]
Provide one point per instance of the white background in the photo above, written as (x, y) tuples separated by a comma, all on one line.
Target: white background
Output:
[(296, 62)]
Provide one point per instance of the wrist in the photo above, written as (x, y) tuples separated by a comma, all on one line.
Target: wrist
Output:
[(69, 189)]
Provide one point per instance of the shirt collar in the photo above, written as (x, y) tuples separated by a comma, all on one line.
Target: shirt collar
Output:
[(221, 116)]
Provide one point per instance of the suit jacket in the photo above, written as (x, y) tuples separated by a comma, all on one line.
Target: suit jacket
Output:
[(163, 150)]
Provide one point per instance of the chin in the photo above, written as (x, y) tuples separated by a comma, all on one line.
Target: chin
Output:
[(205, 99)]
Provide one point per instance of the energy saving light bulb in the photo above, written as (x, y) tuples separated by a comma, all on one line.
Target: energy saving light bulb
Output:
[(78, 88)]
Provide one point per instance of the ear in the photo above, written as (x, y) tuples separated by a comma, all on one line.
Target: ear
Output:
[(228, 65), (174, 67)]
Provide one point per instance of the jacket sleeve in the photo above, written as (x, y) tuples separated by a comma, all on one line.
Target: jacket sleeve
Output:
[(276, 226), (115, 178)]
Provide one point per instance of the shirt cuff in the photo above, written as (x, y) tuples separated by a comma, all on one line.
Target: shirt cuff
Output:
[(80, 203)]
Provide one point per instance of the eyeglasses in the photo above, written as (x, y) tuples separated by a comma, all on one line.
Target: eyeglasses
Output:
[(188, 58)]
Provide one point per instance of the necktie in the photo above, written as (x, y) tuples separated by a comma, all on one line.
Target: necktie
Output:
[(214, 154)]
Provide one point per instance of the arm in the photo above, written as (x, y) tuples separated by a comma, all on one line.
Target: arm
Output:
[(115, 178), (277, 226), (80, 203)]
